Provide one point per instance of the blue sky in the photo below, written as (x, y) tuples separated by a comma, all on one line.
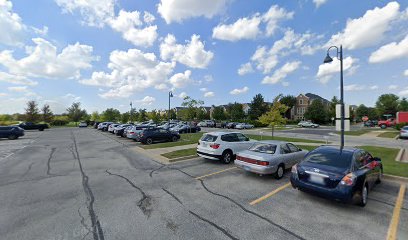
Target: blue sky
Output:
[(106, 53)]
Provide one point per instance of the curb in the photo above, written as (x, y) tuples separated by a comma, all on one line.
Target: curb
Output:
[(395, 178), (181, 158), (399, 155)]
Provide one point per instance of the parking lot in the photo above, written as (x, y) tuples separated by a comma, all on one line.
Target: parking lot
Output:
[(73, 183)]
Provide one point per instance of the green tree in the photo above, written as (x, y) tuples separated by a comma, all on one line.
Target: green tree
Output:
[(258, 107), (274, 117), (202, 114), (191, 105), (403, 105), (32, 112), (235, 111), (95, 116), (316, 112), (290, 102), (154, 115), (219, 113), (46, 113), (75, 113), (142, 115), (111, 115), (332, 107), (124, 118), (387, 104)]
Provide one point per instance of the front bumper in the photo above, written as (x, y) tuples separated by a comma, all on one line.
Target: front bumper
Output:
[(255, 168)]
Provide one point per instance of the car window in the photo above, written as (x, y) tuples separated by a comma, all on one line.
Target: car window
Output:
[(335, 159), (209, 138), (358, 160), (284, 149), (293, 148), (263, 148), (241, 137), (229, 137), (163, 131)]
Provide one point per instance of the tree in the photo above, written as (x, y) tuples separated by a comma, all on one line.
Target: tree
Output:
[(191, 105), (403, 105), (154, 115), (47, 114), (274, 117), (202, 114), (219, 113), (316, 112), (75, 113), (111, 115), (32, 112), (290, 102), (142, 115), (332, 107), (235, 111), (258, 106), (95, 116), (125, 117), (387, 104)]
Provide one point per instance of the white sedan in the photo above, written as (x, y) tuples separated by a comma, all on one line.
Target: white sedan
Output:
[(244, 126)]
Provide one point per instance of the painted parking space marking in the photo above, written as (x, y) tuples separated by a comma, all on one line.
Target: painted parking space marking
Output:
[(214, 173), (393, 228), (269, 194)]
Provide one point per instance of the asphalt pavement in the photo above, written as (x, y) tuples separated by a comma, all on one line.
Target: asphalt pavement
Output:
[(71, 183)]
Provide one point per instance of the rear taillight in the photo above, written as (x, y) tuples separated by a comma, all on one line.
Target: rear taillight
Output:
[(294, 169), (132, 132), (252, 161), (348, 180), (214, 146)]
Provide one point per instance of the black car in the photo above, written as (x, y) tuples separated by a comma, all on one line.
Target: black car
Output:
[(347, 175), (149, 136), (95, 125), (33, 126), (11, 132), (119, 130), (231, 125)]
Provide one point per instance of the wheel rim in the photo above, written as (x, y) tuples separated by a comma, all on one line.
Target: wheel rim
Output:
[(149, 141), (364, 195), (280, 172), (227, 157)]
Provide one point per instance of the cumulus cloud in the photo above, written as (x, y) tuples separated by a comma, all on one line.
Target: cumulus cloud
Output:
[(43, 61), (281, 73), (245, 69), (16, 79), (182, 95), (237, 91), (374, 87), (181, 80), (367, 30), (273, 16), (131, 71), (392, 87), (404, 92), (179, 10), (319, 3), (70, 97), (203, 89), (18, 89), (390, 52), (327, 70), (192, 54), (209, 94), (148, 100), (353, 87), (406, 73), (11, 25)]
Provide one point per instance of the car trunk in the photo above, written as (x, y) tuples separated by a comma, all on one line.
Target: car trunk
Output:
[(321, 175)]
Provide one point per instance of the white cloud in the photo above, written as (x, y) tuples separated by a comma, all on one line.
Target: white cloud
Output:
[(131, 71), (192, 54), (208, 78), (182, 95), (70, 98), (94, 12), (178, 10), (3, 94), (181, 80), (245, 69), (130, 25), (318, 3), (273, 16), (44, 62), (374, 87), (209, 94), (367, 30), (148, 17), (11, 25), (327, 70), (203, 89), (390, 52), (392, 87), (353, 87), (148, 100), (15, 79), (18, 89), (243, 28), (404, 92), (239, 91), (281, 73), (406, 73)]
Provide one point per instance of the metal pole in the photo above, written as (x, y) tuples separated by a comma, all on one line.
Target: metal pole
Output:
[(341, 98), (130, 111), (169, 111)]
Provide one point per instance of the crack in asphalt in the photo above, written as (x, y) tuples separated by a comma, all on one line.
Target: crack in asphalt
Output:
[(96, 226), (214, 225), (173, 196), (84, 224), (157, 169), (49, 162), (145, 202)]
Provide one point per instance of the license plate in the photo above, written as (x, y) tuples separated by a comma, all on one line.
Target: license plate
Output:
[(247, 168), (316, 179)]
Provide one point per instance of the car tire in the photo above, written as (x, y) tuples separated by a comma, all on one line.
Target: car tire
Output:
[(383, 126), (227, 157), (279, 172), (41, 129), (379, 178), (12, 137), (149, 141), (174, 139), (363, 195)]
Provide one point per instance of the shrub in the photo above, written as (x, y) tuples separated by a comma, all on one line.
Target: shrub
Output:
[(398, 126)]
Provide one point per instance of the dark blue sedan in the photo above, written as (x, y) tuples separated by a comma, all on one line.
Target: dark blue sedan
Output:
[(11, 132), (347, 175)]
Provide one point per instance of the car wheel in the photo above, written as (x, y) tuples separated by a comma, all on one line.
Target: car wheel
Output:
[(226, 157), (12, 137), (41, 129), (279, 172), (149, 141), (383, 126), (379, 178), (364, 196), (174, 138)]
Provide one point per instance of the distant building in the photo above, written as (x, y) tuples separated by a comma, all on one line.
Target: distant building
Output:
[(303, 101)]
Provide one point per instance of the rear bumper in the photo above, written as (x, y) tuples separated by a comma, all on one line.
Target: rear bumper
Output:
[(208, 155), (403, 135), (255, 168)]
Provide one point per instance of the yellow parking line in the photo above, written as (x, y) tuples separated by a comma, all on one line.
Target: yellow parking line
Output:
[(269, 194), (207, 175), (393, 228)]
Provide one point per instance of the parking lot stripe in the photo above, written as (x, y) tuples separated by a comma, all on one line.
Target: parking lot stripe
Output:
[(269, 194), (393, 228), (210, 174)]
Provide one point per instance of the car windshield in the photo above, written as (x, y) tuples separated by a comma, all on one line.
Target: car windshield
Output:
[(405, 128), (209, 138), (335, 159), (263, 148)]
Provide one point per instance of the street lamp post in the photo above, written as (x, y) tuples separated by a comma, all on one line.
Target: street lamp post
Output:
[(131, 108), (328, 59), (170, 96)]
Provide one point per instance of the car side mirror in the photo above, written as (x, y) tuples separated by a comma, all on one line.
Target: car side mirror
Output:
[(300, 150), (377, 159)]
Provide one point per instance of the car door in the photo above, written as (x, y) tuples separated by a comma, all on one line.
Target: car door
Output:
[(163, 135), (286, 155), (243, 141), (295, 154), (3, 132), (373, 168)]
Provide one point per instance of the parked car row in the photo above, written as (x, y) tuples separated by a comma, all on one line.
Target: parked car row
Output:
[(346, 174), (11, 132)]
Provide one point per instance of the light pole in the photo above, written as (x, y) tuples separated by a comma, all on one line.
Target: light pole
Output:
[(170, 96), (328, 59), (130, 112)]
